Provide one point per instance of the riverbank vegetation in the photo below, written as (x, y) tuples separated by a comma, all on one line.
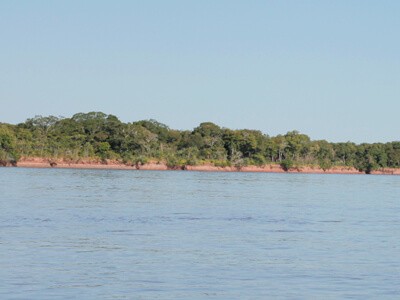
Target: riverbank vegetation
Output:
[(96, 135)]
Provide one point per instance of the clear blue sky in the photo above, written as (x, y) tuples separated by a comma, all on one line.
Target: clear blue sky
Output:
[(330, 69)]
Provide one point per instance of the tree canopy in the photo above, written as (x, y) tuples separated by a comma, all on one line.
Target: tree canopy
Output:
[(97, 135)]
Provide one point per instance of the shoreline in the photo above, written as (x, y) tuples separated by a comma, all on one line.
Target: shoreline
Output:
[(153, 166)]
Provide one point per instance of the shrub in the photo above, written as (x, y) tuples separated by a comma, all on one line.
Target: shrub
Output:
[(286, 164)]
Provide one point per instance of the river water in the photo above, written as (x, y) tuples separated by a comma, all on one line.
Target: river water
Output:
[(106, 234)]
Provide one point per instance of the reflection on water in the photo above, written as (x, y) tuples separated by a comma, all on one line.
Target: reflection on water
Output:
[(98, 234)]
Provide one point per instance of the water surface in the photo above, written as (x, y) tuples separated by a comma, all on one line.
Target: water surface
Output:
[(98, 234)]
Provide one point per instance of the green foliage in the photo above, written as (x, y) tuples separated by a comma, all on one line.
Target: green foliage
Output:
[(221, 163), (287, 164), (393, 154), (140, 160), (8, 152), (103, 150), (325, 164), (370, 157), (258, 160), (296, 145), (175, 163), (345, 153), (96, 135)]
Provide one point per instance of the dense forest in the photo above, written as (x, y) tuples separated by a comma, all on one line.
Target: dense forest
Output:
[(96, 135)]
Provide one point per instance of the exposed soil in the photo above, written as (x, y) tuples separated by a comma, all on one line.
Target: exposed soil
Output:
[(36, 162)]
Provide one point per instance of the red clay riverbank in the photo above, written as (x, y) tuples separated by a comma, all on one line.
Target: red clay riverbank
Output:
[(35, 162)]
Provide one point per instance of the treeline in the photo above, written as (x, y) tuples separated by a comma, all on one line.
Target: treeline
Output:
[(96, 135)]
